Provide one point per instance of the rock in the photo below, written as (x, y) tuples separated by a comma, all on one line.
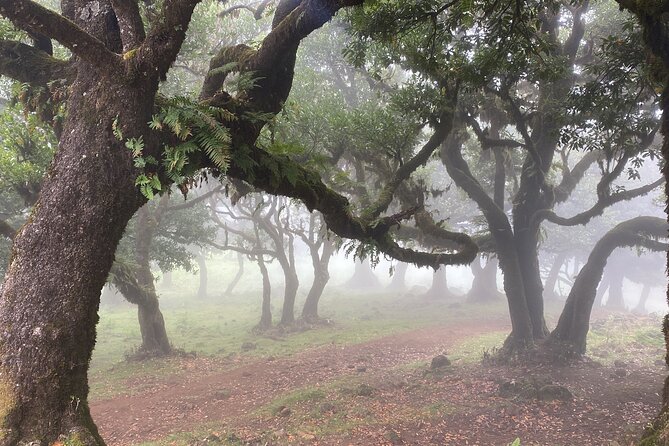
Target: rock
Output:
[(364, 390), (394, 437), (248, 346), (439, 362), (361, 369), (554, 392), (621, 373), (620, 364), (222, 394), (660, 363), (328, 407), (521, 388), (283, 411)]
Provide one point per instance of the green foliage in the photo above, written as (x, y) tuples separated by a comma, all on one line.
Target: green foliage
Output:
[(198, 127)]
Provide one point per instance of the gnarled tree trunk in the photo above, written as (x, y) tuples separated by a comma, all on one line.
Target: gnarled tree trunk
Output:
[(484, 285), (266, 309), (572, 328), (321, 278), (398, 282), (238, 276), (48, 309)]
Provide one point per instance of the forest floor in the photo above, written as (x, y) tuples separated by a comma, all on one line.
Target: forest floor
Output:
[(384, 392)]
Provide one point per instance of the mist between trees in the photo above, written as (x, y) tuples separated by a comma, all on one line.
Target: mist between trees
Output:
[(468, 152)]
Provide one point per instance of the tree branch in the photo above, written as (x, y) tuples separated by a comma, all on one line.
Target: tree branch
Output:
[(25, 63), (598, 208), (34, 18), (130, 22)]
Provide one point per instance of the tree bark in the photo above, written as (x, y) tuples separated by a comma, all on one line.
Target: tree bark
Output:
[(572, 328), (49, 311), (266, 310)]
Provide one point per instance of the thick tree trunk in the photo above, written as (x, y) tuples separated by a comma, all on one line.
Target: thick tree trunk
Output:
[(398, 282), (48, 310), (202, 270), (266, 310), (363, 276), (528, 257), (484, 285), (616, 299), (572, 328), (238, 276), (439, 288)]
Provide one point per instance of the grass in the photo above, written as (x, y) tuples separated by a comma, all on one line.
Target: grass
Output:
[(217, 327)]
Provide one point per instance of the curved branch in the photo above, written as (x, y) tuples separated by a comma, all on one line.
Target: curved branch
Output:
[(161, 46), (598, 208), (28, 64), (571, 178), (36, 19), (419, 159)]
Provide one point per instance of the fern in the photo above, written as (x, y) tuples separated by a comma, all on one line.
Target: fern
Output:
[(201, 127)]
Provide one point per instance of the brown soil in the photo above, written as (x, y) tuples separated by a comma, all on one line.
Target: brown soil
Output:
[(407, 405)]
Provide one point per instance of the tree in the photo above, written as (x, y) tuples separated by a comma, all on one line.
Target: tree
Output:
[(91, 190)]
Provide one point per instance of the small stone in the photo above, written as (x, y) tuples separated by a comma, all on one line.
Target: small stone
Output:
[(619, 364), (439, 361), (394, 437), (222, 394), (283, 411), (361, 369), (660, 363)]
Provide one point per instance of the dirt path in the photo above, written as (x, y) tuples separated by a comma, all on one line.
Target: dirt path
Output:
[(199, 395)]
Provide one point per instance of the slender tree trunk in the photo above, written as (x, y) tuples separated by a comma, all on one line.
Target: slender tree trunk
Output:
[(484, 285), (151, 321), (266, 311), (321, 278), (238, 276), (553, 274), (572, 328), (290, 293), (202, 269), (48, 310), (398, 283)]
